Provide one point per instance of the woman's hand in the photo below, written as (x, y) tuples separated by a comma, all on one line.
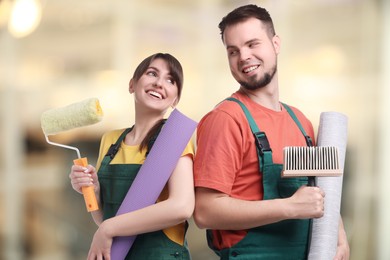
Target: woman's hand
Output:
[(84, 176), (101, 244)]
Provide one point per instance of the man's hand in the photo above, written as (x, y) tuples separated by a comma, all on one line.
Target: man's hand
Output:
[(307, 202)]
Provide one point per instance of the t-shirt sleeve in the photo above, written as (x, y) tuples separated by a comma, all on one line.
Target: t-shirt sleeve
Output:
[(189, 150), (107, 140), (218, 153), (102, 151)]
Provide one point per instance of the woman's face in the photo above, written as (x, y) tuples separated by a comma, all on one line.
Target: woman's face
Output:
[(155, 89)]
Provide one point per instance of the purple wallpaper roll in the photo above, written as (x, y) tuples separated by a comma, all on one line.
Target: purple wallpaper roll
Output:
[(154, 173)]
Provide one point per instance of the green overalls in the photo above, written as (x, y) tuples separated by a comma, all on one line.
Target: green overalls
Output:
[(115, 181), (286, 239)]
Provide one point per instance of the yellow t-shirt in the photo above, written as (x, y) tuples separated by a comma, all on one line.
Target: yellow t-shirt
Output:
[(129, 154)]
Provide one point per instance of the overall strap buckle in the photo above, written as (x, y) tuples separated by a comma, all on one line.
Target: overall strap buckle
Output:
[(262, 142), (309, 142), (113, 150)]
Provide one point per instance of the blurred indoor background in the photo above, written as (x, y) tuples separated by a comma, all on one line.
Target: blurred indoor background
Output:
[(335, 56)]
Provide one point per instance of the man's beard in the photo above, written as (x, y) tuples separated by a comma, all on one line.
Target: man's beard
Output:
[(254, 84)]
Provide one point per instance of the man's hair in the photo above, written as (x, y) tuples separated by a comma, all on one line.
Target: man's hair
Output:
[(245, 12)]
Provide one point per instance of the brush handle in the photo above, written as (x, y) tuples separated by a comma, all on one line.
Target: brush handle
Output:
[(312, 181), (88, 191)]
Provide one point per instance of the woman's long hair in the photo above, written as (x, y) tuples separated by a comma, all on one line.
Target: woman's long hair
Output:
[(176, 72)]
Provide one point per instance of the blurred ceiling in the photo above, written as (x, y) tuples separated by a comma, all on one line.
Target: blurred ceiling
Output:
[(90, 48)]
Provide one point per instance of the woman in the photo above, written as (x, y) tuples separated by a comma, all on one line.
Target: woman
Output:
[(160, 228)]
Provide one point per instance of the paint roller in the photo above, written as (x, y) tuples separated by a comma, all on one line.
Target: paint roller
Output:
[(83, 113)]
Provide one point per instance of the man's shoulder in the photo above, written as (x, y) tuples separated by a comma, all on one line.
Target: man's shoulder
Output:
[(225, 108), (296, 111)]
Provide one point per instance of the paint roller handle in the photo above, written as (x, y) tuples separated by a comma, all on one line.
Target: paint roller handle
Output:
[(88, 191)]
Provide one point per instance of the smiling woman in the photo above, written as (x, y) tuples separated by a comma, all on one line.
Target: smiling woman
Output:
[(157, 83), (159, 76), (160, 228)]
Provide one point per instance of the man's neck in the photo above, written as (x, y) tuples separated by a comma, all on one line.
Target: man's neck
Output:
[(267, 96)]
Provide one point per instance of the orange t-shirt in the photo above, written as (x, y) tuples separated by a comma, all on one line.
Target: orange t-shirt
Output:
[(226, 157)]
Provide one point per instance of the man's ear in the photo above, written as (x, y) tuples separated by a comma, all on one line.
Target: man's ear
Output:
[(131, 86), (276, 42)]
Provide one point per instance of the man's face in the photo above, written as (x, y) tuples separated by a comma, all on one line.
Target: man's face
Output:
[(252, 54)]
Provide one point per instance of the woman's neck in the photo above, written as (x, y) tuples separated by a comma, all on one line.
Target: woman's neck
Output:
[(143, 123)]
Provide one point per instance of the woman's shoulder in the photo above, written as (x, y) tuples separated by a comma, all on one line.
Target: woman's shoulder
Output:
[(113, 135)]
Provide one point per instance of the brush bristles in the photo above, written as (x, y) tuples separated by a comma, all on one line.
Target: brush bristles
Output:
[(311, 161), (86, 112)]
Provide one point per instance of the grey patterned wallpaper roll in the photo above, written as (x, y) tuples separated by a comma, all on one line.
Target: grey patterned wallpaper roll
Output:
[(332, 131)]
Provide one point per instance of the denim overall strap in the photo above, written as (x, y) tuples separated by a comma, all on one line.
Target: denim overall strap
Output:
[(309, 142), (115, 147), (262, 145)]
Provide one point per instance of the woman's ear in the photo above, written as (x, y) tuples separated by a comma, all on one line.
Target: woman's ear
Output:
[(175, 102), (131, 86)]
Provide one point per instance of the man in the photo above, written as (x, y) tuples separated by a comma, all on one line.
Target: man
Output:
[(251, 212)]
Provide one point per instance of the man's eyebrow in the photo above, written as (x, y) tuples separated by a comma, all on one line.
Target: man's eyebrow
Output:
[(231, 47), (252, 40), (246, 43)]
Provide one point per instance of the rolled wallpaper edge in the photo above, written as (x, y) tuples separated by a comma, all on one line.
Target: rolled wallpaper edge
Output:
[(332, 131)]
